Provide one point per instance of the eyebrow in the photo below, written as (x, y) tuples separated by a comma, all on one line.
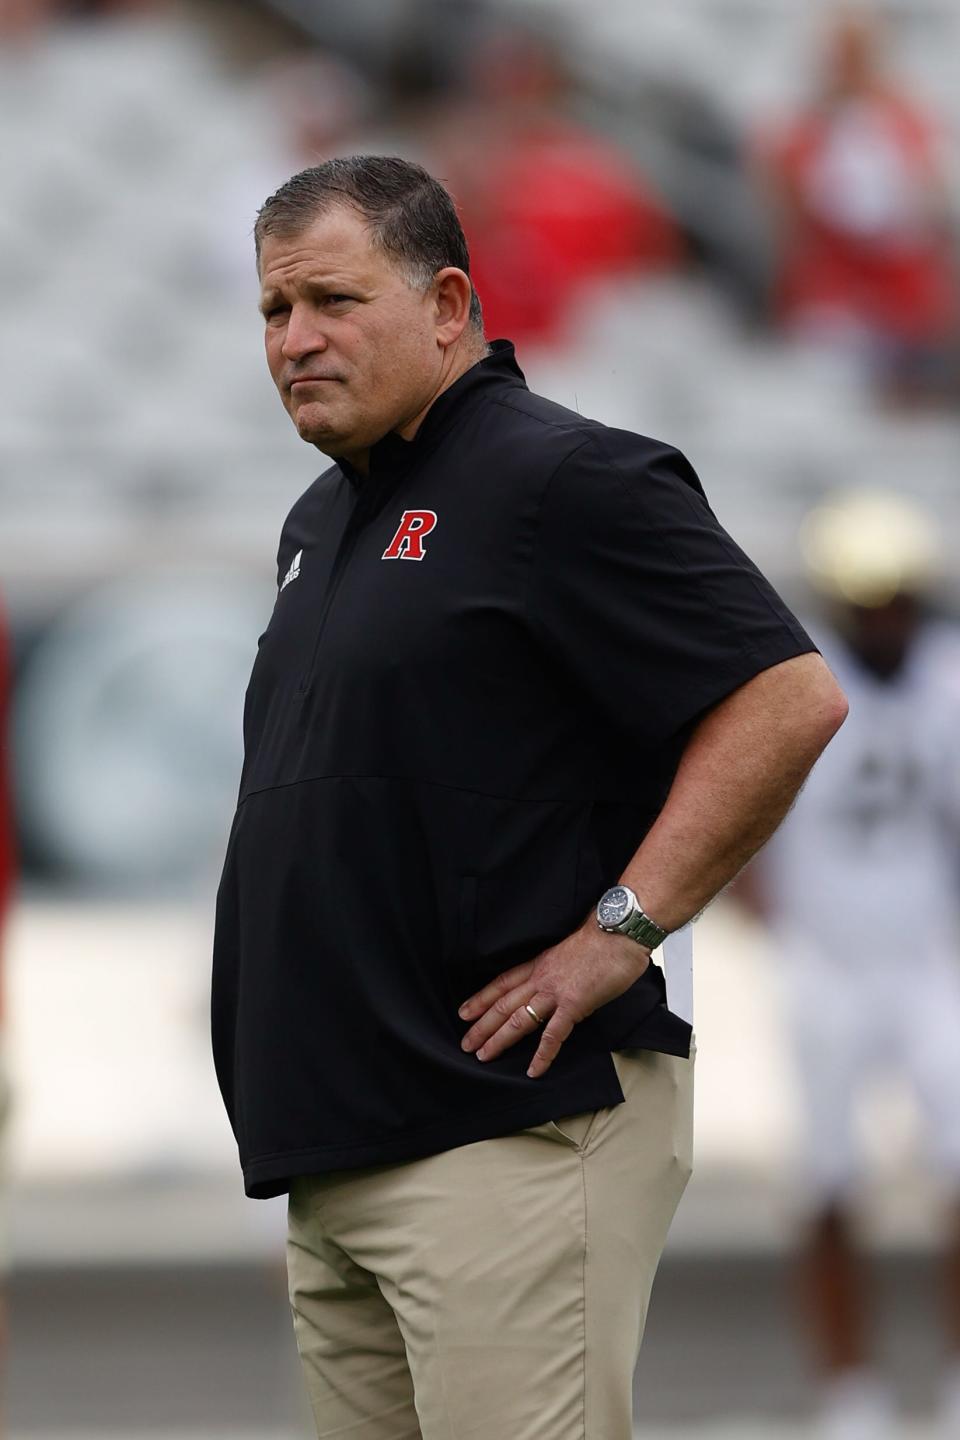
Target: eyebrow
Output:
[(333, 285)]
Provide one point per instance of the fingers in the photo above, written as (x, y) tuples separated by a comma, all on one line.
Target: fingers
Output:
[(507, 1014), (501, 1017), (510, 1018), (502, 985), (555, 1032)]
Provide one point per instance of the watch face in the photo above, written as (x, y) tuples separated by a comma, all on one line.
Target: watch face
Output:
[(614, 906)]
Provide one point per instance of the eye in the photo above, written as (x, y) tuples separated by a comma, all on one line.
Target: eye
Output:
[(275, 313)]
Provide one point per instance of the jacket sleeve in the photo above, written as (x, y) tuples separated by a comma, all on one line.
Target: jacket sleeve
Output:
[(640, 595)]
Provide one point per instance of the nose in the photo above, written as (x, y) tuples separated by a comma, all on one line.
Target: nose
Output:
[(304, 333)]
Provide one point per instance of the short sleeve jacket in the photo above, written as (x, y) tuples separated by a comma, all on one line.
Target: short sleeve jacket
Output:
[(466, 711)]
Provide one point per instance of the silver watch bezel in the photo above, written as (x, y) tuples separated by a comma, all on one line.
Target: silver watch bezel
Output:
[(636, 924)]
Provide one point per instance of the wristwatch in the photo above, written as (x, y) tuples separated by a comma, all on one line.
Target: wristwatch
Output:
[(620, 910)]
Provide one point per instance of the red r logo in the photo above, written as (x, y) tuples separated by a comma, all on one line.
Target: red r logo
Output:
[(407, 543)]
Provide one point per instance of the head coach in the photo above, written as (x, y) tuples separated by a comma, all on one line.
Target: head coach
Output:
[(521, 709)]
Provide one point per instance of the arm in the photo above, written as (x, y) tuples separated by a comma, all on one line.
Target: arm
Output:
[(736, 780), (740, 772)]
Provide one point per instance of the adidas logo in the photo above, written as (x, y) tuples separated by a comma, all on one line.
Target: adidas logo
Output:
[(294, 570)]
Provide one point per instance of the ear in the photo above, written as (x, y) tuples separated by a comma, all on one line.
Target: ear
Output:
[(453, 291)]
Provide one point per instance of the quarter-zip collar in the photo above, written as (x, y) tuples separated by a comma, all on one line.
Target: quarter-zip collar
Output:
[(392, 454)]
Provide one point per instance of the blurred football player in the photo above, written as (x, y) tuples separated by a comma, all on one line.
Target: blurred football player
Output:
[(860, 888)]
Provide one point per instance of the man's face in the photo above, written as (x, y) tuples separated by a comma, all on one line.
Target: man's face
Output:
[(352, 348)]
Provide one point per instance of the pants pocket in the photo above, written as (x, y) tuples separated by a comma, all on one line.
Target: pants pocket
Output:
[(571, 1130)]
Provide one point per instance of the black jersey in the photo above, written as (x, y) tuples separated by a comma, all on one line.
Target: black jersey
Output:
[(465, 713)]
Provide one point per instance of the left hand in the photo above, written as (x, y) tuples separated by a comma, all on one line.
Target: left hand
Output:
[(563, 985)]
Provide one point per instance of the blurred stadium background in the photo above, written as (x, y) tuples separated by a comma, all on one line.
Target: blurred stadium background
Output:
[(614, 166)]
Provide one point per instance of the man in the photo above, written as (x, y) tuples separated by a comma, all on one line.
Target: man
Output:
[(513, 662), (860, 888)]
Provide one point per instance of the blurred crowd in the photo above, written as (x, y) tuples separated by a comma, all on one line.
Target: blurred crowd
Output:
[(858, 250), (832, 223)]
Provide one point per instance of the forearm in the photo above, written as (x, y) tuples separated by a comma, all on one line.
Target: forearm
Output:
[(738, 776)]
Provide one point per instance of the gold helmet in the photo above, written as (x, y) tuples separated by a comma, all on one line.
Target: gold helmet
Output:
[(866, 547)]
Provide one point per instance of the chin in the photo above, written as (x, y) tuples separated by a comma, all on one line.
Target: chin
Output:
[(316, 429), (320, 435)]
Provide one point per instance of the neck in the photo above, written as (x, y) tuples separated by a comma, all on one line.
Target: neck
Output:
[(456, 360)]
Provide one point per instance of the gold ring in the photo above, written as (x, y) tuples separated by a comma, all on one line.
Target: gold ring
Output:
[(533, 1014)]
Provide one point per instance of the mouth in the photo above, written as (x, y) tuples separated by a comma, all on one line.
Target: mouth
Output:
[(313, 380)]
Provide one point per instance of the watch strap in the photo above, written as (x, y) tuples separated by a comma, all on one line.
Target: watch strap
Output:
[(644, 930)]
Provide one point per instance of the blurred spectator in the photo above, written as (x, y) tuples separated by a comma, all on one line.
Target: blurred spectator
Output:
[(321, 101), (6, 889), (860, 887), (865, 250), (21, 19), (549, 207), (310, 105)]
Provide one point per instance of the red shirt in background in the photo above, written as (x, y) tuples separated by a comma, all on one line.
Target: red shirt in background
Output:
[(865, 237), (557, 208)]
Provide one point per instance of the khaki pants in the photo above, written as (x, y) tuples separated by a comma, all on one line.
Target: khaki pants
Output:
[(499, 1289)]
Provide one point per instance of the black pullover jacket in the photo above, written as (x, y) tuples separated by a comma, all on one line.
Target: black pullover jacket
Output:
[(465, 713)]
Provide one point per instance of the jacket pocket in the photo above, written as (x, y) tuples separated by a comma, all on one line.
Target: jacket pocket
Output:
[(467, 920), (516, 891), (465, 976), (590, 880)]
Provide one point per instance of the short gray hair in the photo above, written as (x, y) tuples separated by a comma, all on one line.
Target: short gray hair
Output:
[(411, 216)]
